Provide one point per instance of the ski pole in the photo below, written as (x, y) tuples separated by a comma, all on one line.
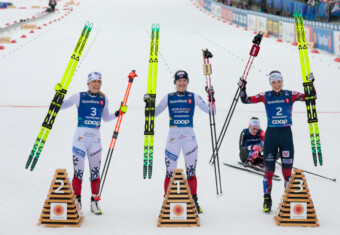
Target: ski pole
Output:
[(253, 53), (131, 76), (311, 173), (207, 72)]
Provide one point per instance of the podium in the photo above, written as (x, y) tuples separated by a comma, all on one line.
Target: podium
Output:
[(178, 208), (296, 207), (60, 208)]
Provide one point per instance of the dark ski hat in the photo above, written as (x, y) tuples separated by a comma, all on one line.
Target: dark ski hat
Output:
[(181, 74)]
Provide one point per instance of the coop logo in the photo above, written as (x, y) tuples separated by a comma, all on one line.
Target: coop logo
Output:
[(94, 123), (189, 101), (287, 101), (284, 122), (185, 122), (101, 103)]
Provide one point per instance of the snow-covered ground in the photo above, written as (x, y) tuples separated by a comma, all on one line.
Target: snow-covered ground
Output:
[(120, 42)]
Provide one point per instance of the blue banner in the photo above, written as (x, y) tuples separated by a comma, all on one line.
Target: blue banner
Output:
[(240, 18), (5, 4), (323, 39), (207, 5)]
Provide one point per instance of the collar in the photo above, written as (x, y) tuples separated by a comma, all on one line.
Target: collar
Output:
[(180, 93), (277, 93), (92, 94)]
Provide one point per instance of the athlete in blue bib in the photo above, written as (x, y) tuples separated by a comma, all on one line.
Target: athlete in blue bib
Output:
[(92, 108), (278, 138), (251, 143), (181, 105)]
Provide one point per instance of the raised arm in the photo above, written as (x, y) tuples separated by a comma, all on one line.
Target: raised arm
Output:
[(73, 100)]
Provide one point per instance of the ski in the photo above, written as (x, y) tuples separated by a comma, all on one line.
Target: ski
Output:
[(256, 168), (253, 53), (308, 89), (151, 103), (58, 98), (207, 71), (114, 138), (250, 170)]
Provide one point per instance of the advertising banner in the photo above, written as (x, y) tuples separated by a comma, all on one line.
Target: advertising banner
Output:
[(227, 14), (337, 43), (216, 9), (275, 29), (251, 20), (207, 5), (261, 23), (240, 18), (323, 39), (287, 31)]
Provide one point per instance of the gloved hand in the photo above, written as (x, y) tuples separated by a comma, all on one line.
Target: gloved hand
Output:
[(146, 97), (211, 92), (257, 148), (58, 87), (242, 84), (311, 77), (123, 109), (255, 154)]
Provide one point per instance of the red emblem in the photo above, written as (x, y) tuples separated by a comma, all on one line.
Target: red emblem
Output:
[(287, 101), (101, 103), (190, 101)]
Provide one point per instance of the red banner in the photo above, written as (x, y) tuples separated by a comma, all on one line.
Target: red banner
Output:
[(227, 14)]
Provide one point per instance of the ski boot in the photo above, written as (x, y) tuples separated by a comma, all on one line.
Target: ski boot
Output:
[(95, 206), (198, 208), (267, 204), (78, 200)]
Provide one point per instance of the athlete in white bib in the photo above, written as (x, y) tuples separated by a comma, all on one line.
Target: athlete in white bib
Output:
[(92, 107), (181, 105)]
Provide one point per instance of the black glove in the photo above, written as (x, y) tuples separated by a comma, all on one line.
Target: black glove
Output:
[(123, 109), (311, 77), (211, 92), (242, 84)]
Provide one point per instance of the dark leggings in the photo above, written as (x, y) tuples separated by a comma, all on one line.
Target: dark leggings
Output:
[(277, 140)]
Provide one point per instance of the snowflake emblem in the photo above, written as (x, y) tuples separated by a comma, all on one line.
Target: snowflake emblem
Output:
[(94, 173), (75, 160), (78, 174)]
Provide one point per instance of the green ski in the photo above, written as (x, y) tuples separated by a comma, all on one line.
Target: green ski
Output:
[(58, 98), (308, 87), (150, 103)]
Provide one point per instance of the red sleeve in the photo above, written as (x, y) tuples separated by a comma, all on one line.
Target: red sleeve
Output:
[(297, 96), (257, 98), (262, 134)]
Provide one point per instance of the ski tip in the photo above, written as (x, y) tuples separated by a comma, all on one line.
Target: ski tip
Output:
[(90, 27), (219, 195)]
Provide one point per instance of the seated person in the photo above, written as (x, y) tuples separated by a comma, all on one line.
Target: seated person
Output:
[(251, 143)]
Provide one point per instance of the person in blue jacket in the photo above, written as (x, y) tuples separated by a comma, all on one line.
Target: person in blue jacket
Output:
[(181, 137), (251, 143), (92, 107), (278, 138)]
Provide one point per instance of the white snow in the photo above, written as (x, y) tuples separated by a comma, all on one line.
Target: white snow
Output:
[(119, 43)]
